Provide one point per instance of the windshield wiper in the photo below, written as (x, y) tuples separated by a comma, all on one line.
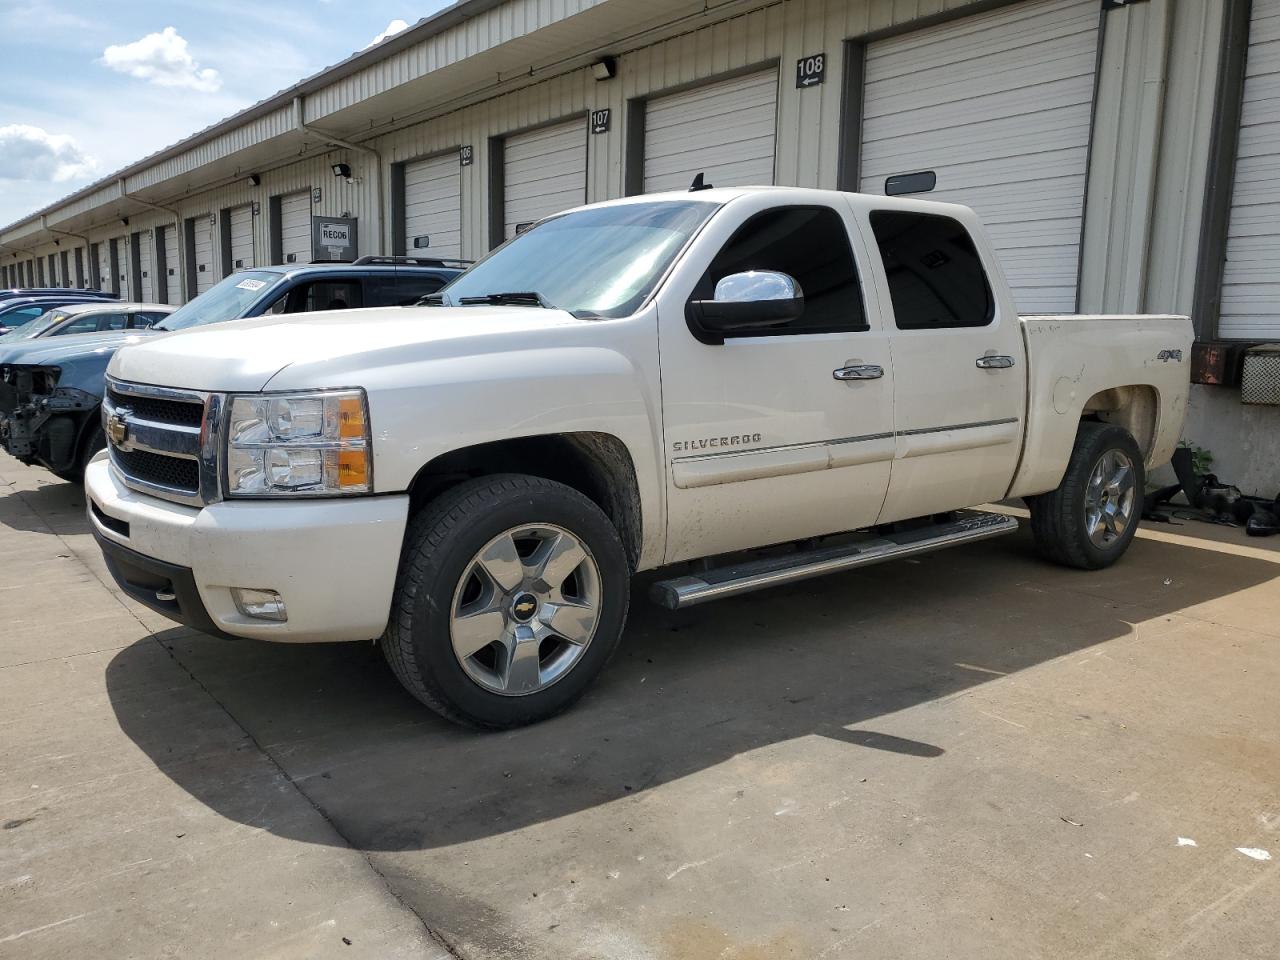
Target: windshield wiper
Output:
[(519, 298), (431, 300)]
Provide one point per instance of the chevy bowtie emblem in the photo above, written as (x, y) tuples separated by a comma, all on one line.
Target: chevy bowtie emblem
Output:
[(118, 428)]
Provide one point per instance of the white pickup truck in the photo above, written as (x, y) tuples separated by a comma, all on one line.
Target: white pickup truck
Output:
[(775, 383)]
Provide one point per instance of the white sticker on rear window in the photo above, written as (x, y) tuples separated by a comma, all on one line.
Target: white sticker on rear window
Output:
[(251, 284)]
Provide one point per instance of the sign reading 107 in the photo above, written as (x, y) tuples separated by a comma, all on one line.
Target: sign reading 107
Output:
[(810, 70)]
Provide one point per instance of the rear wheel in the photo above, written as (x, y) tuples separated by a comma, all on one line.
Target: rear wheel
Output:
[(511, 597), (1090, 520)]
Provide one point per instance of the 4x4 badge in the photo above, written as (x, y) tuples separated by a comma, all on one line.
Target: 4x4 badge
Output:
[(118, 428)]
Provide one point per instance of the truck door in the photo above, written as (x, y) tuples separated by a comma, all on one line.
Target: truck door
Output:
[(781, 433), (958, 365)]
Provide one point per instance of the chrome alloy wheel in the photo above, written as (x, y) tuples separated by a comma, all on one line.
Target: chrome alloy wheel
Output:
[(1109, 498), (525, 609)]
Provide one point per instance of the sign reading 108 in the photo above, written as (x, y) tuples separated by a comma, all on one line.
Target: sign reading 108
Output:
[(810, 70)]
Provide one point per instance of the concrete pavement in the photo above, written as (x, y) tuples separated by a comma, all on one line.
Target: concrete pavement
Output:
[(969, 755)]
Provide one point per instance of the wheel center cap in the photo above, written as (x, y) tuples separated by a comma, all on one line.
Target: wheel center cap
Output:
[(524, 607)]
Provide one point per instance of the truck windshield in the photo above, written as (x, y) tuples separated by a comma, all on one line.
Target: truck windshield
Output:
[(601, 261), (229, 299)]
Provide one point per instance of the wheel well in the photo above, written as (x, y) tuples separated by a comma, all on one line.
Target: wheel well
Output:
[(1135, 407), (597, 465)]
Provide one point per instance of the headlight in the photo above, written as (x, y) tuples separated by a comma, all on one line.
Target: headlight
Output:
[(305, 444)]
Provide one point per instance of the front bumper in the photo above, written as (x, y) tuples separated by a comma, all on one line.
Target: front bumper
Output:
[(332, 561)]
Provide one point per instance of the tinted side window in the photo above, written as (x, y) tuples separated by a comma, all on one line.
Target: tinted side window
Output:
[(936, 278), (328, 295), (146, 319), (399, 291), (812, 245)]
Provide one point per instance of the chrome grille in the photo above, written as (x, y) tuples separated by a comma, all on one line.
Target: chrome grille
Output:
[(164, 441)]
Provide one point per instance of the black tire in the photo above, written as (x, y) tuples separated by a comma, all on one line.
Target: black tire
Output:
[(1058, 518), (94, 439), (443, 538)]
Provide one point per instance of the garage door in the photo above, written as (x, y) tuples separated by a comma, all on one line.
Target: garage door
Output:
[(146, 291), (202, 235), (124, 273), (544, 172), (1250, 282), (999, 106), (241, 224), (172, 266), (104, 265), (725, 130), (295, 227), (433, 207)]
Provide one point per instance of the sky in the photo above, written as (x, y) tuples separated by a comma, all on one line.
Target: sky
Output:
[(90, 87)]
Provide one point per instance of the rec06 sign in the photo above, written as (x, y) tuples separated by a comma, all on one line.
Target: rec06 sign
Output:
[(811, 70), (335, 238)]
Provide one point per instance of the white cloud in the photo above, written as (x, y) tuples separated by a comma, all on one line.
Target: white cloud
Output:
[(163, 59), (394, 27), (30, 153)]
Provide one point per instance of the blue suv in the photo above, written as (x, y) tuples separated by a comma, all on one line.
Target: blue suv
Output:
[(51, 389)]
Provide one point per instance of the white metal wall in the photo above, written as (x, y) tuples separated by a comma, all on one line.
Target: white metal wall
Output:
[(725, 130), (146, 266), (544, 172), (295, 227), (433, 207), (999, 106), (1251, 278)]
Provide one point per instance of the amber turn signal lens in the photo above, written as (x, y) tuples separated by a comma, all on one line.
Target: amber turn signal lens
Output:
[(353, 469), (351, 424)]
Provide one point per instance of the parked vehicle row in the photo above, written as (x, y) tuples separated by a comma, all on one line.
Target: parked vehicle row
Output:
[(777, 383), (24, 306)]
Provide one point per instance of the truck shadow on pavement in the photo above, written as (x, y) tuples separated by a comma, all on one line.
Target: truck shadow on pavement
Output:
[(687, 691)]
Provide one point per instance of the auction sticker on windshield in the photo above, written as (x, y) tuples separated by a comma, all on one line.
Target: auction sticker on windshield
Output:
[(248, 284)]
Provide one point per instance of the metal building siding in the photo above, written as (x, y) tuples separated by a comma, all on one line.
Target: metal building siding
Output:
[(724, 129), (544, 172), (202, 229), (243, 248), (295, 227), (999, 105), (1251, 279), (433, 206), (146, 266)]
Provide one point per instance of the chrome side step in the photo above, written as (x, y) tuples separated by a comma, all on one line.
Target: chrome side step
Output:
[(969, 526)]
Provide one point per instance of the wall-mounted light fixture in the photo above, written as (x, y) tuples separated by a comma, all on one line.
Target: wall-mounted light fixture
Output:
[(342, 170), (606, 68), (125, 221), (254, 179)]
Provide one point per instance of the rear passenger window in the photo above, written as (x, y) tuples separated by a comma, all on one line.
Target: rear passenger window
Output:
[(400, 290), (331, 295), (936, 278), (812, 245)]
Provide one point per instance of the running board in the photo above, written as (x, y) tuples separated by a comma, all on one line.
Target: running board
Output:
[(969, 526)]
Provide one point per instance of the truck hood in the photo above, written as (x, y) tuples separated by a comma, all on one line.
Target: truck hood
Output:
[(54, 351), (325, 349)]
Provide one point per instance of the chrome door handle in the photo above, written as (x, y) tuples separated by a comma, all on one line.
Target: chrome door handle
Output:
[(994, 363), (859, 371)]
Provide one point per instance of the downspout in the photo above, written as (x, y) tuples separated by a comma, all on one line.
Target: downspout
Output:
[(177, 226), (88, 244), (331, 140)]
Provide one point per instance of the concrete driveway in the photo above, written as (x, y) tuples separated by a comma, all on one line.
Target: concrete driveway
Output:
[(970, 755)]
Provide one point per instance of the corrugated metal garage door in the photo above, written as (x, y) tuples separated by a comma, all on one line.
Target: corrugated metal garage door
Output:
[(1251, 279), (999, 106), (202, 229), (146, 266), (242, 251), (104, 265), (172, 267), (124, 275), (544, 172), (433, 207), (726, 130), (295, 227)]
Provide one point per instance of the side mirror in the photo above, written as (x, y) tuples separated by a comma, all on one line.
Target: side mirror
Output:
[(754, 300)]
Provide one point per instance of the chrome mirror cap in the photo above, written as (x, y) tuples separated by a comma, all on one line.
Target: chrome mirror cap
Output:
[(755, 286)]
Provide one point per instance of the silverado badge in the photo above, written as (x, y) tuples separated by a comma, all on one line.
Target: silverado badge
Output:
[(118, 428)]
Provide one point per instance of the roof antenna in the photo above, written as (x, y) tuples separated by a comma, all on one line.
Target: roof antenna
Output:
[(698, 184)]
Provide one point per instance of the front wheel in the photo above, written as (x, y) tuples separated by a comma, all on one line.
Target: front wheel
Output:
[(1090, 520), (511, 597)]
